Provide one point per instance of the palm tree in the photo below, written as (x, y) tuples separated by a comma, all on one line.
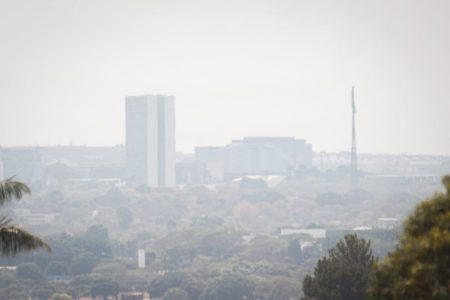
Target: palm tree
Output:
[(14, 240)]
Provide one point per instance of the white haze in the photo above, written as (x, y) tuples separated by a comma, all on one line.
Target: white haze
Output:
[(237, 68)]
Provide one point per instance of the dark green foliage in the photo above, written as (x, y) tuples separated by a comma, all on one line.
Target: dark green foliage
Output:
[(382, 241), (95, 241), (112, 198), (61, 296), (420, 266), (57, 268), (281, 291), (125, 217), (81, 285), (294, 251), (277, 288), (179, 257), (42, 292), (228, 287), (63, 249), (30, 271), (81, 280), (97, 231), (14, 240), (220, 244), (12, 190), (186, 281), (176, 294), (104, 288), (17, 295), (344, 274), (160, 285), (330, 198), (6, 279), (83, 263), (206, 221)]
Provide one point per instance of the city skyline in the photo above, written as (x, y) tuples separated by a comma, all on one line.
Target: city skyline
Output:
[(259, 68)]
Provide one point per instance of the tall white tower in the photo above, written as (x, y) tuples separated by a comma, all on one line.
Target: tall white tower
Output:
[(354, 155), (150, 140), (1, 165)]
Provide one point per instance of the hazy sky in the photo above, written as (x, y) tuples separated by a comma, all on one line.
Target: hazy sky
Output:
[(237, 68)]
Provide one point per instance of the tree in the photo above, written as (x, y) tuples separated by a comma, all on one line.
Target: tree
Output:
[(419, 268), (81, 286), (83, 263), (57, 268), (42, 292), (277, 288), (228, 287), (344, 274), (30, 271), (6, 279), (125, 217), (14, 240), (185, 281), (176, 294), (250, 183), (62, 296), (104, 288), (95, 240), (294, 251)]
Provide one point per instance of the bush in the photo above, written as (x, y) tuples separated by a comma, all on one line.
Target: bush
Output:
[(176, 294), (30, 271)]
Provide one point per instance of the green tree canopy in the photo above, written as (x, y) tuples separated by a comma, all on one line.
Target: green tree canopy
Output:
[(57, 268), (61, 296), (30, 271), (250, 183), (420, 266), (104, 288), (125, 217), (83, 263), (228, 287), (176, 294), (183, 280), (344, 274), (14, 240)]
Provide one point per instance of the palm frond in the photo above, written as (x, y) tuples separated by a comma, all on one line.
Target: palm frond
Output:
[(5, 221), (14, 240), (11, 189)]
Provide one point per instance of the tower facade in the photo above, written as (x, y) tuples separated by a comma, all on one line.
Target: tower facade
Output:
[(354, 155), (150, 140)]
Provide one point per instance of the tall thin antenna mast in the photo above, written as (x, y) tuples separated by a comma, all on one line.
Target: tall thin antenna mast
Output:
[(354, 156)]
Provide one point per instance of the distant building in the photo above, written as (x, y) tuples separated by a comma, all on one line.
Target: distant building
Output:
[(25, 216), (266, 155), (186, 169), (150, 140), (210, 163), (253, 156), (141, 259), (87, 163)]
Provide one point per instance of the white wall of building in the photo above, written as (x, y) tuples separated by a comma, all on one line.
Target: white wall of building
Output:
[(151, 140)]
